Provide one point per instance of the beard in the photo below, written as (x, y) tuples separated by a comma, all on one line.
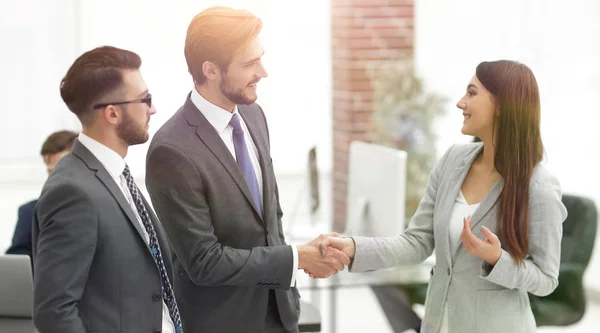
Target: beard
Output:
[(132, 133), (237, 96)]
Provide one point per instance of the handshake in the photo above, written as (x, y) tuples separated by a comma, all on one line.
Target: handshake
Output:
[(325, 255)]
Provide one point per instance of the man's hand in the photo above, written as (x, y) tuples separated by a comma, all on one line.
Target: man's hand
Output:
[(332, 245), (320, 263), (344, 244)]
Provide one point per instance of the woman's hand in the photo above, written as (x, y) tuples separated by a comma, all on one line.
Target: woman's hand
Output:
[(488, 249)]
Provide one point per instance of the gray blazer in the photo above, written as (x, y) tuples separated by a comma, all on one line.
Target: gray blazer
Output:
[(228, 256), (93, 271), (480, 298)]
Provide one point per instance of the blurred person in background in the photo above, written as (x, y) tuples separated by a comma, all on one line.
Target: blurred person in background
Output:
[(56, 146)]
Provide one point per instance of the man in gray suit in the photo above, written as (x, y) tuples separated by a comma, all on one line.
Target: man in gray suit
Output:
[(211, 179), (101, 261)]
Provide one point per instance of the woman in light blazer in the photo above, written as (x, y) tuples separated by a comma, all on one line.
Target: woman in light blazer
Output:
[(492, 213)]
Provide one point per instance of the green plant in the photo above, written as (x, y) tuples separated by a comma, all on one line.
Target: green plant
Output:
[(403, 118)]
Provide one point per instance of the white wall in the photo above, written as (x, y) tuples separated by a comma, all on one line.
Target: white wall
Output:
[(41, 38), (297, 105), (558, 40), (37, 46)]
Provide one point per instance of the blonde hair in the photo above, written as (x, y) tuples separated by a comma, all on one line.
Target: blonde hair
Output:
[(215, 35)]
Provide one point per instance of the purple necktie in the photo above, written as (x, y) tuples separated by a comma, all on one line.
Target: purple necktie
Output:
[(243, 160)]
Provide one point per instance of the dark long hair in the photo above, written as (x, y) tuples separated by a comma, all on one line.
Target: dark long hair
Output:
[(517, 144)]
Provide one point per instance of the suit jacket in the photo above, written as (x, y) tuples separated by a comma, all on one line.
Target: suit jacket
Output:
[(228, 256), (21, 241), (480, 298), (93, 271)]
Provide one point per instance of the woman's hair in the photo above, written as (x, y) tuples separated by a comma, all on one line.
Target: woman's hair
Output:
[(517, 144)]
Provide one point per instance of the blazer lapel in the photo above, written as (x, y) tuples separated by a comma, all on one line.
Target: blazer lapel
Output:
[(456, 179), (488, 202), (102, 174), (207, 133), (455, 183), (485, 206)]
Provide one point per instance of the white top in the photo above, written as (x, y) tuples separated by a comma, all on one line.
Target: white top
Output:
[(115, 165), (219, 118), (461, 211)]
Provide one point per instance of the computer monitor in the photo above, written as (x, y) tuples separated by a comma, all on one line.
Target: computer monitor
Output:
[(376, 190)]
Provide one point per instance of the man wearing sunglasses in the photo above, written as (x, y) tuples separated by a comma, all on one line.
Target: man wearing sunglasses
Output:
[(100, 257)]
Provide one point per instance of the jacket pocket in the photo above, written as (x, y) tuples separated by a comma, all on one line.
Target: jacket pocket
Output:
[(500, 311)]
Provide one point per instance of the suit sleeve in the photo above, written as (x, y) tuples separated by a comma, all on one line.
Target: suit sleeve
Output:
[(65, 243), (539, 272), (21, 241), (414, 245), (178, 195)]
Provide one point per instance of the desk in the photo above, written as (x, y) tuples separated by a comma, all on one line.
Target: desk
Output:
[(401, 275)]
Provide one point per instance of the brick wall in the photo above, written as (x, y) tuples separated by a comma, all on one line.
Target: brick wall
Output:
[(363, 33)]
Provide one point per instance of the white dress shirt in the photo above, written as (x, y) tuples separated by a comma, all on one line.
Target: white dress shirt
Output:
[(219, 118), (115, 165), (461, 211)]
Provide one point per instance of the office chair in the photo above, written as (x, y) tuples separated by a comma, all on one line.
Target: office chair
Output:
[(566, 305)]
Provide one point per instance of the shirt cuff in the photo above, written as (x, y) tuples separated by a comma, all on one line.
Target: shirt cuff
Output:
[(295, 266)]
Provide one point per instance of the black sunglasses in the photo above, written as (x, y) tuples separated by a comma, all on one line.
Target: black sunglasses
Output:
[(147, 100)]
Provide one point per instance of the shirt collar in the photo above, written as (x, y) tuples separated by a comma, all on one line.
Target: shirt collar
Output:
[(218, 117), (109, 158)]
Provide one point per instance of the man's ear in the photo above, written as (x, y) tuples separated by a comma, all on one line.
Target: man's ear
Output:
[(211, 70), (110, 114)]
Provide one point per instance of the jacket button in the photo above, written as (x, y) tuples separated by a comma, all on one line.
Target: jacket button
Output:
[(448, 271), (156, 297)]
